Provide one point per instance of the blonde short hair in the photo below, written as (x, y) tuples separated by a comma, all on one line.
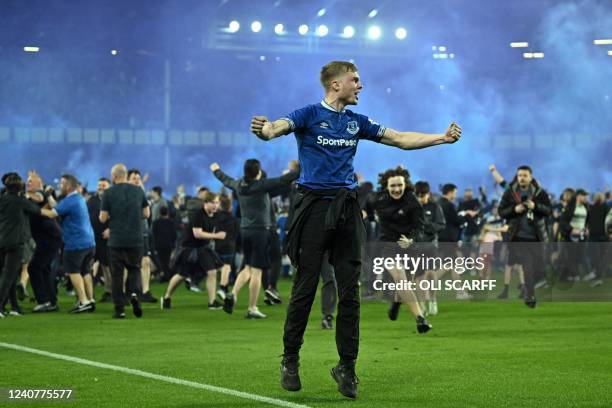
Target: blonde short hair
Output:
[(333, 70)]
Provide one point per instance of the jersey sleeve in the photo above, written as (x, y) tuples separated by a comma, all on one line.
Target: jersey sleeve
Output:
[(62, 208), (368, 129), (299, 119)]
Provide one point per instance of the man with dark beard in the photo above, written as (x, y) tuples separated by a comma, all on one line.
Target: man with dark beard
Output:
[(525, 205)]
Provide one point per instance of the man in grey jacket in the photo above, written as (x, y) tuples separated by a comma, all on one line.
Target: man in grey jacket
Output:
[(252, 192)]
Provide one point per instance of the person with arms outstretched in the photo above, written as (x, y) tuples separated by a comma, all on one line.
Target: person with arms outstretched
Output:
[(327, 214)]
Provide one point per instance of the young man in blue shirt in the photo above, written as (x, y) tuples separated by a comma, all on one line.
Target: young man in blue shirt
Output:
[(79, 242), (327, 214)]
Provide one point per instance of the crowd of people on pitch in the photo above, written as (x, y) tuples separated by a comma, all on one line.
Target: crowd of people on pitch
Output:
[(124, 235)]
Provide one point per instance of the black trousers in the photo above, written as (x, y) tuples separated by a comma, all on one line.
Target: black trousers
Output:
[(346, 249), (529, 255), (42, 276), (130, 259), (163, 254), (10, 266), (270, 276)]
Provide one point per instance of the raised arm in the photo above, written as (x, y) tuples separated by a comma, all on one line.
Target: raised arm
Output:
[(266, 130), (223, 178), (272, 184), (416, 140)]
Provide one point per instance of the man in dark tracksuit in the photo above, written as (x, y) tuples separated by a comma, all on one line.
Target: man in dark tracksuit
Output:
[(48, 237), (327, 214), (255, 223), (14, 212), (525, 206)]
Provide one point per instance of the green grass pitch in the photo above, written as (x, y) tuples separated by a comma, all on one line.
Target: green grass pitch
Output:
[(479, 354)]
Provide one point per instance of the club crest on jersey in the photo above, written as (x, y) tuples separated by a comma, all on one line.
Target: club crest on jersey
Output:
[(323, 125), (352, 127)]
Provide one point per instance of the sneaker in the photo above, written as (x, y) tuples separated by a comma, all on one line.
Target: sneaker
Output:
[(16, 311), (215, 306), (422, 325), (80, 308), (588, 277), (148, 298), (255, 314), (52, 308), (93, 306), (531, 302), (2, 316), (119, 315), (541, 284), (346, 378), (463, 295), (328, 322), (504, 293), (433, 308), (165, 303), (41, 308), (394, 310), (221, 294), (187, 283), (269, 302), (290, 375), (21, 292), (136, 309), (228, 303), (195, 288), (596, 283), (106, 297), (273, 295)]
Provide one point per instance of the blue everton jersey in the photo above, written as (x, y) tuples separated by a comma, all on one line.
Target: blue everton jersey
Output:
[(327, 142)]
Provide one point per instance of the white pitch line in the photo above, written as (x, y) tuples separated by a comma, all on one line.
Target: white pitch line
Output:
[(207, 387)]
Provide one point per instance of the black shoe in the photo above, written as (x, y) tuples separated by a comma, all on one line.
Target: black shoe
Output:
[(106, 297), (215, 306), (531, 302), (327, 323), (274, 296), (269, 302), (422, 325), (119, 315), (93, 306), (81, 307), (148, 298), (394, 310), (21, 292), (52, 308), (346, 378), (165, 303), (136, 305), (504, 294), (290, 375), (187, 283), (228, 303)]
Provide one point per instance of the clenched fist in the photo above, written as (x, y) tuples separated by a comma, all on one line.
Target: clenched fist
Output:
[(453, 133)]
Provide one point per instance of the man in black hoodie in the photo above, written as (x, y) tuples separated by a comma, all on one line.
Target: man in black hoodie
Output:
[(255, 223), (525, 206)]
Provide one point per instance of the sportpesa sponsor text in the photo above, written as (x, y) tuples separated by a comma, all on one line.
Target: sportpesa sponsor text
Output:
[(323, 141)]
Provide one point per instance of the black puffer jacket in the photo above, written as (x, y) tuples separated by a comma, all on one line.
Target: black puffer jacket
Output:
[(543, 208)]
